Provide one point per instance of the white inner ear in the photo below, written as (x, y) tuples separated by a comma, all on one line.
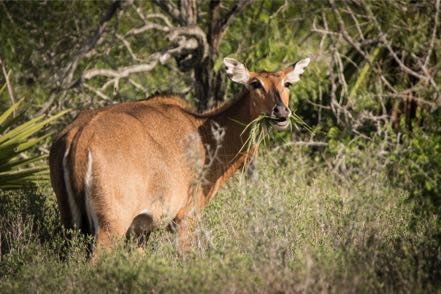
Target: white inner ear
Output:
[(294, 75), (236, 71)]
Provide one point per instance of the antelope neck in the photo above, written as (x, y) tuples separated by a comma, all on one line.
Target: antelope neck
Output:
[(234, 119), (232, 153)]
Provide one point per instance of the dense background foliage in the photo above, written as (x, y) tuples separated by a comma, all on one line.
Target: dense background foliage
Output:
[(353, 205)]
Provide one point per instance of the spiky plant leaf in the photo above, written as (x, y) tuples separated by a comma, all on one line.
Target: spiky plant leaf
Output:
[(16, 169)]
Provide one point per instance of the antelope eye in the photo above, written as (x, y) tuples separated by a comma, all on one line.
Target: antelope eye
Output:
[(256, 84), (287, 84)]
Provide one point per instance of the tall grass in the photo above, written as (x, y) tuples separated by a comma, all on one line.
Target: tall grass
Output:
[(300, 228)]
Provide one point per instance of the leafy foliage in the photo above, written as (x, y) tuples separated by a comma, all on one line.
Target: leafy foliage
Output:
[(422, 158)]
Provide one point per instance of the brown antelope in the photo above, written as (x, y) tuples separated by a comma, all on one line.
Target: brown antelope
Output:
[(132, 167)]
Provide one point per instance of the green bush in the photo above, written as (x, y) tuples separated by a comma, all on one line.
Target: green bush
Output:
[(419, 171)]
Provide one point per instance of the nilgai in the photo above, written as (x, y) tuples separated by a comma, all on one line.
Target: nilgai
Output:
[(136, 166)]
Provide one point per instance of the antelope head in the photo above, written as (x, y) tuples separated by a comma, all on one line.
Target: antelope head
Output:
[(268, 91)]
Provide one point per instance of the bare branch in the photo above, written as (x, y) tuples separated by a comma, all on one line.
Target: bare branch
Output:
[(123, 72), (169, 8), (147, 27), (150, 25), (354, 18), (383, 38), (8, 82), (97, 92), (404, 67), (435, 27), (69, 70), (220, 24), (138, 86), (346, 36), (162, 17), (188, 11), (190, 32), (182, 41), (152, 15), (128, 47)]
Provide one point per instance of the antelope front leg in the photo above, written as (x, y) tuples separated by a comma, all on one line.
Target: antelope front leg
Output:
[(186, 220), (185, 233)]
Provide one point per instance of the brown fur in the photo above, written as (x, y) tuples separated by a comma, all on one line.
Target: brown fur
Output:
[(148, 155)]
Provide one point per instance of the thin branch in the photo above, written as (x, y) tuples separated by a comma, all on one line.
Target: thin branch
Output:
[(138, 86), (169, 8), (147, 27), (90, 44), (152, 15), (97, 92), (182, 39), (282, 7), (150, 25), (8, 82), (354, 18), (162, 17), (128, 47), (435, 27), (221, 24), (346, 36), (388, 44), (404, 67), (122, 72), (300, 143)]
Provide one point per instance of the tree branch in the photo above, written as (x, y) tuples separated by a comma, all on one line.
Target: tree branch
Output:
[(435, 27), (69, 70), (188, 11), (125, 71), (8, 83), (182, 41), (221, 23), (169, 8)]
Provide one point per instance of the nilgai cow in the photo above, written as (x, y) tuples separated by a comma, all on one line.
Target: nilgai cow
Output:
[(136, 166)]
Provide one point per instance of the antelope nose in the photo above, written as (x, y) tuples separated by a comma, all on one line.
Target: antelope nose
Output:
[(281, 111)]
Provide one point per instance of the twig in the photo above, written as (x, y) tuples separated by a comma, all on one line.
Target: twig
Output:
[(91, 42), (147, 27), (128, 47), (169, 8), (220, 24), (383, 38), (435, 27), (152, 15), (138, 86), (8, 83), (97, 92), (122, 72)]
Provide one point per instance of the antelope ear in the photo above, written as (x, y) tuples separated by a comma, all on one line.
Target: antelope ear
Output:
[(294, 71), (236, 71)]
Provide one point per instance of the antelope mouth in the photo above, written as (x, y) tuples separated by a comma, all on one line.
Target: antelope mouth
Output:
[(279, 123)]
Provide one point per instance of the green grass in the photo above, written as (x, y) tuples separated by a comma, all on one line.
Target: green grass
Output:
[(300, 228)]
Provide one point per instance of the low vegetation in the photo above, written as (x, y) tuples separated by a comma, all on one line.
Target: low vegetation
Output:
[(300, 227)]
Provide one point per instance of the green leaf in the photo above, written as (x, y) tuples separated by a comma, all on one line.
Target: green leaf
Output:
[(9, 111), (16, 172)]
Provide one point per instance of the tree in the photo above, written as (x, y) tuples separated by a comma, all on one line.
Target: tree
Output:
[(192, 41)]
